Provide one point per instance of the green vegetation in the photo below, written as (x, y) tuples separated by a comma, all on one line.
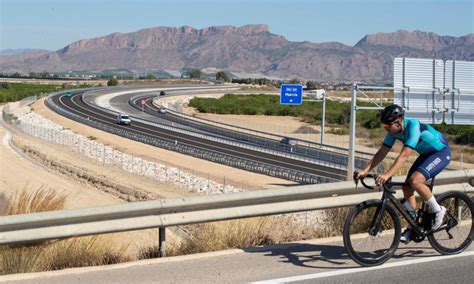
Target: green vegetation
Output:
[(257, 81), (11, 92), (337, 114), (195, 74), (311, 85), (261, 104), (112, 81), (460, 134), (264, 81), (222, 76)]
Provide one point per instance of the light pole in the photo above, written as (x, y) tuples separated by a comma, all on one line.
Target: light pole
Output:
[(323, 119)]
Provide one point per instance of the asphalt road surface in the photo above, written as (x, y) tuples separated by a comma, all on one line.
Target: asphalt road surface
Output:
[(77, 106), (319, 261)]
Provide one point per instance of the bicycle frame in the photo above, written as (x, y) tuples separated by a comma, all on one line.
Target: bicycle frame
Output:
[(388, 196)]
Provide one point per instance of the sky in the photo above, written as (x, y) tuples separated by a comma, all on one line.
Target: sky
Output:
[(53, 24)]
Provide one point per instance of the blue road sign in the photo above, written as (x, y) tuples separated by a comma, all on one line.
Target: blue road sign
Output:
[(291, 94)]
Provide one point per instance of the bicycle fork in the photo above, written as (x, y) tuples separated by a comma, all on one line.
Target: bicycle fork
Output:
[(375, 225)]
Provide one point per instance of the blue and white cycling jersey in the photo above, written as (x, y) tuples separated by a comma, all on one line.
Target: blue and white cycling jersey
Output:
[(421, 137)]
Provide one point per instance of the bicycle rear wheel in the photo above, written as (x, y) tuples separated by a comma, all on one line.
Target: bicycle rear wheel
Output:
[(371, 249), (455, 238)]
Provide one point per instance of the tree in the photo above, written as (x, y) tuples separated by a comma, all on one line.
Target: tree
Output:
[(195, 74), (222, 76), (151, 77), (112, 81), (294, 81), (311, 85)]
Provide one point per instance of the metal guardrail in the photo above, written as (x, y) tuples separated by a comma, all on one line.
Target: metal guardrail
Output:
[(221, 158), (163, 213)]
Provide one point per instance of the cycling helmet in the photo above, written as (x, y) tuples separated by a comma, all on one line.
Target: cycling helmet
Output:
[(391, 113)]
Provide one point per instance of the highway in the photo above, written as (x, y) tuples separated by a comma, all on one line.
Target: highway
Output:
[(75, 105)]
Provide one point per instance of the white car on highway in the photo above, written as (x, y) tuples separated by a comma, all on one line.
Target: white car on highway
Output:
[(123, 119)]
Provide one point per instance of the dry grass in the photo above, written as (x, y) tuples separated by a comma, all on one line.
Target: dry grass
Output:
[(29, 201), (85, 251), (239, 233), (467, 153), (250, 232), (42, 256)]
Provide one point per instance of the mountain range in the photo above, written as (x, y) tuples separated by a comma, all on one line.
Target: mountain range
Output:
[(243, 50)]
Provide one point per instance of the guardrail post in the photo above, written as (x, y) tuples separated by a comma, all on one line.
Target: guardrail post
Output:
[(162, 242)]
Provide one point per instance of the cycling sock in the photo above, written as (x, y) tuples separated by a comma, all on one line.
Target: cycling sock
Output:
[(433, 204)]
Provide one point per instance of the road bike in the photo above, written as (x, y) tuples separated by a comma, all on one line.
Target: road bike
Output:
[(372, 229)]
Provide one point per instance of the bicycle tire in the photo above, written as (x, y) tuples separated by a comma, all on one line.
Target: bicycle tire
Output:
[(463, 233), (388, 237)]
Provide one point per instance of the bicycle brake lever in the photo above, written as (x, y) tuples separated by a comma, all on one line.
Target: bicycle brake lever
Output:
[(354, 177)]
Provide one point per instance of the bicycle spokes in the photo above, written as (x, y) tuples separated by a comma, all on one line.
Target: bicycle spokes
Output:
[(455, 234)]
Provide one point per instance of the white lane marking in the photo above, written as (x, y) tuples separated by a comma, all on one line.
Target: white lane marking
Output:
[(363, 269)]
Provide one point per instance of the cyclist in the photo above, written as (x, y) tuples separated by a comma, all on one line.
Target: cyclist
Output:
[(435, 155)]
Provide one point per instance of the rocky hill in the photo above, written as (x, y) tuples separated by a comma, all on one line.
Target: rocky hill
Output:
[(246, 49)]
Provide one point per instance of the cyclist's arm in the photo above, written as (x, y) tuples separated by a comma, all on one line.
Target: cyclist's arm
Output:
[(399, 161), (378, 157)]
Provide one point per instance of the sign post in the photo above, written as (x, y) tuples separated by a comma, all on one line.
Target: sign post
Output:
[(143, 105)]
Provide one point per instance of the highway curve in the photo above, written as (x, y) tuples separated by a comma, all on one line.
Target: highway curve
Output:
[(75, 105)]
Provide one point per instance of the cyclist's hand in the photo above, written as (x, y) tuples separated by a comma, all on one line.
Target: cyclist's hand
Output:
[(381, 179), (358, 175)]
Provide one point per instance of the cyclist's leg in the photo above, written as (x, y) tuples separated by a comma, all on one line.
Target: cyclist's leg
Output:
[(432, 166), (429, 166), (408, 190), (410, 201), (418, 182)]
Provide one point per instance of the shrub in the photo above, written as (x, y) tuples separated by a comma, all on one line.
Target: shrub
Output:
[(112, 81), (371, 122), (466, 138), (4, 85), (222, 76)]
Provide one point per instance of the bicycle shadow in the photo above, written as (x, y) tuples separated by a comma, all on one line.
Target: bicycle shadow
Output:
[(413, 251), (308, 255), (327, 256)]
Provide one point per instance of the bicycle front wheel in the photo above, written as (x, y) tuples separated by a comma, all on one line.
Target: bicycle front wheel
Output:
[(370, 245), (459, 229)]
